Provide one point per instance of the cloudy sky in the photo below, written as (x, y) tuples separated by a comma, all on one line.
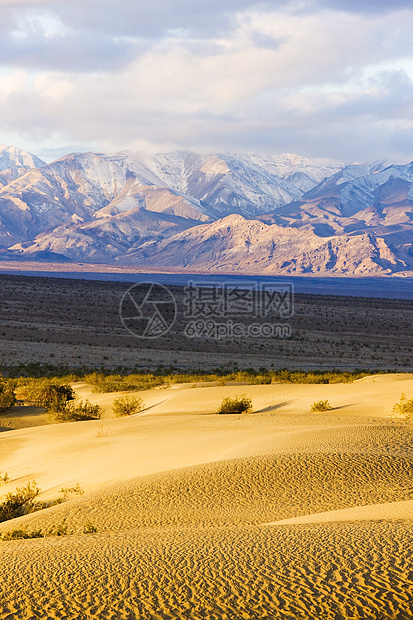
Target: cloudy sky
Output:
[(322, 78)]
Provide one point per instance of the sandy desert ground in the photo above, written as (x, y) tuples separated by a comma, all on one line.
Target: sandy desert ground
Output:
[(76, 324), (280, 513)]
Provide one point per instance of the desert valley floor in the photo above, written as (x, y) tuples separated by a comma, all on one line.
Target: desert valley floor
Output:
[(276, 514), (76, 324)]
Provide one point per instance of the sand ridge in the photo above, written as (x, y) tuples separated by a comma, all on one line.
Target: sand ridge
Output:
[(371, 512)]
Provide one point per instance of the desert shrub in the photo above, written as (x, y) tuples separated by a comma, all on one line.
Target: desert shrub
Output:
[(19, 503), (42, 505), (298, 376), (239, 404), (76, 411), (22, 533), (135, 381), (58, 530), (76, 490), (101, 432), (321, 405), (7, 396), (89, 528), (22, 502), (124, 383), (4, 478), (61, 529), (57, 394), (127, 405), (261, 379), (45, 393), (404, 408)]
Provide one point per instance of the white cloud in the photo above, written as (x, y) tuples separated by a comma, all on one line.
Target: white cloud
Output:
[(320, 82)]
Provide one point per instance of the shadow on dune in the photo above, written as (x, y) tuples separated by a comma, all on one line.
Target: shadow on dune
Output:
[(135, 415), (273, 407), (344, 406)]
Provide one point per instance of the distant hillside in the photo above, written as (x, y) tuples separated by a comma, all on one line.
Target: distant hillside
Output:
[(235, 212)]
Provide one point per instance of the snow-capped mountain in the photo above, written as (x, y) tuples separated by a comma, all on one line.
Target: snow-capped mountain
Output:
[(11, 156), (231, 212), (45, 205), (79, 188), (302, 172), (349, 203), (226, 184), (14, 162)]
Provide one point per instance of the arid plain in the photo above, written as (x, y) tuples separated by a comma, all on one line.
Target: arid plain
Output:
[(281, 513), (76, 323)]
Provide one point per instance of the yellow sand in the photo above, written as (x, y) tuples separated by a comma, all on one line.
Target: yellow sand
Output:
[(281, 513)]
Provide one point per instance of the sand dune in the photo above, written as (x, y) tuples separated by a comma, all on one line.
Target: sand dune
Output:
[(277, 514), (372, 512), (371, 396)]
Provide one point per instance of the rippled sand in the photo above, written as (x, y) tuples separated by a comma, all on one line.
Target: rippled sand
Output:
[(278, 514)]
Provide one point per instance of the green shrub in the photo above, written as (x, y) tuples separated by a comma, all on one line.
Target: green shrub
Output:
[(127, 405), (7, 396), (61, 529), (45, 393), (404, 408), (42, 505), (239, 404), (22, 533), (89, 528), (58, 530), (19, 503), (76, 411), (124, 383), (76, 490), (261, 379), (4, 478), (321, 405), (101, 432)]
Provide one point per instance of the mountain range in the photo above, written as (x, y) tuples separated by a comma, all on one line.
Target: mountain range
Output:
[(223, 212)]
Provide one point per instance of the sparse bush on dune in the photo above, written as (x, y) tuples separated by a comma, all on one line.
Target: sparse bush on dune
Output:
[(127, 405), (58, 530), (321, 405), (264, 379), (134, 382), (321, 377), (58, 399), (403, 408), (45, 393), (239, 404), (101, 432), (124, 383), (145, 381), (89, 528), (7, 396), (20, 502), (4, 478), (21, 534), (76, 411), (55, 530), (76, 490)]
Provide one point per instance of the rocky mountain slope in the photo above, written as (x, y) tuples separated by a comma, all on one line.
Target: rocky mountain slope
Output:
[(234, 244), (229, 212), (14, 163)]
